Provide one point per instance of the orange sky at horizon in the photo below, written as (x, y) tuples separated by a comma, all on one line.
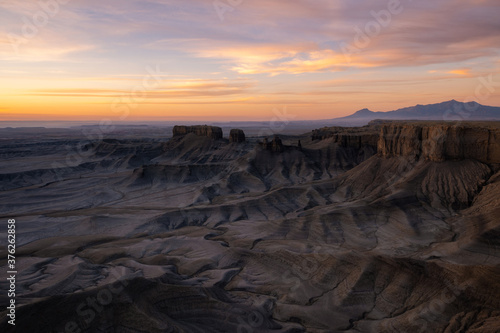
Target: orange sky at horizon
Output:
[(169, 60)]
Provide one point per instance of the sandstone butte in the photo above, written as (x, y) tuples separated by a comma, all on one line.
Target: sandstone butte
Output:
[(212, 132), (237, 136)]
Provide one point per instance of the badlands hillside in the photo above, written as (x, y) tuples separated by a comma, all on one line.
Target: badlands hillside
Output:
[(390, 227)]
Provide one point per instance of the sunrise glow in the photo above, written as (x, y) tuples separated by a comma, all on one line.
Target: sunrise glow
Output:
[(220, 60)]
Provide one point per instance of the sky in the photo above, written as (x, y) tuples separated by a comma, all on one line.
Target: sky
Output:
[(216, 60)]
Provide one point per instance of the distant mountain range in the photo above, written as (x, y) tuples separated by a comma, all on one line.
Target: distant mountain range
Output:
[(450, 110), (447, 111)]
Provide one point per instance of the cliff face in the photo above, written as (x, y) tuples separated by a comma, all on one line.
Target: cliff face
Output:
[(236, 135), (431, 140), (440, 142), (212, 132)]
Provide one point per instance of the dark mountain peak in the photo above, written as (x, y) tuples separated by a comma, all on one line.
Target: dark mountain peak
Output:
[(363, 112), (447, 110), (451, 102)]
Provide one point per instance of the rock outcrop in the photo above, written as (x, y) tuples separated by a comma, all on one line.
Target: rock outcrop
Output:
[(348, 137), (212, 132), (275, 146), (356, 141), (237, 136), (326, 132), (440, 142)]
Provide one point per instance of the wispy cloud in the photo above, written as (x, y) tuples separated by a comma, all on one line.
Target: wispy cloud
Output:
[(462, 71), (193, 88)]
